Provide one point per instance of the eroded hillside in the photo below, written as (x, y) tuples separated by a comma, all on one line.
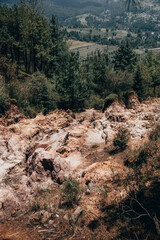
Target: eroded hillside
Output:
[(38, 155)]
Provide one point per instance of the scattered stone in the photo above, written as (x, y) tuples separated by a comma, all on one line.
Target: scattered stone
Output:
[(45, 216), (87, 182), (63, 123), (35, 218), (14, 213), (83, 174), (51, 222), (66, 217), (40, 217), (87, 191), (57, 145), (76, 214)]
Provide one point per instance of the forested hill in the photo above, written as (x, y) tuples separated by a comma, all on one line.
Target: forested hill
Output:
[(65, 9), (64, 3), (10, 2), (38, 70), (76, 3)]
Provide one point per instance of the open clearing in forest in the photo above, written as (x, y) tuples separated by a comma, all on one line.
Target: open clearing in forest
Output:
[(87, 48)]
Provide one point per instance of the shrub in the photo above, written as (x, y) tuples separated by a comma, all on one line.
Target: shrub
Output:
[(155, 133), (2, 103), (144, 153), (126, 98), (122, 138), (109, 100), (40, 95), (70, 191), (95, 102)]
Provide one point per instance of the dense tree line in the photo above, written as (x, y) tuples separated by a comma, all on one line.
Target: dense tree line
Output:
[(145, 39), (37, 69), (27, 38)]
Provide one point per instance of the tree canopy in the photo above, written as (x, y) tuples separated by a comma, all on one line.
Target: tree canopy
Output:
[(39, 71)]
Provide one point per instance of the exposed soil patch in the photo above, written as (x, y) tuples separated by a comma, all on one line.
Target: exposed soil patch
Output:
[(37, 155), (16, 230)]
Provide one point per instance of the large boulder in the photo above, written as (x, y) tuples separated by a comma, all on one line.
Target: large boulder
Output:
[(116, 113), (44, 164)]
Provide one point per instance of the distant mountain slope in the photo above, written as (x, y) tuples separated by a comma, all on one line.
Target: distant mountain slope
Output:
[(9, 2), (66, 8), (64, 3), (76, 3)]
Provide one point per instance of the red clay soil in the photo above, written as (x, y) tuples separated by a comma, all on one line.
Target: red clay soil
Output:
[(16, 231)]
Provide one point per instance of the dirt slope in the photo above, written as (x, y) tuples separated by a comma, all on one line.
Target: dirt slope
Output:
[(38, 154)]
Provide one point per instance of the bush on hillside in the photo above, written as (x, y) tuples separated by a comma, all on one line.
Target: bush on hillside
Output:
[(155, 133), (109, 100), (36, 95), (95, 102), (2, 103), (70, 192), (121, 139)]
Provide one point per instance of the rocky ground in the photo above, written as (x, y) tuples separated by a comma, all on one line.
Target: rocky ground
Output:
[(37, 155)]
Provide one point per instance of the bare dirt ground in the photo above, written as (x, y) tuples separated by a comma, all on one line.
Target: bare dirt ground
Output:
[(36, 155)]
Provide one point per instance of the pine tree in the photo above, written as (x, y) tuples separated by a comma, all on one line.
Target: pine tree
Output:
[(41, 94), (124, 58), (59, 50), (25, 36), (142, 81), (99, 64), (71, 86), (152, 63)]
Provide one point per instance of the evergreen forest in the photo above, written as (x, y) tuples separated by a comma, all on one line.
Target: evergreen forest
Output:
[(38, 70)]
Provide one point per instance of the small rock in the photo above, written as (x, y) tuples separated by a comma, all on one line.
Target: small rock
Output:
[(51, 222), (87, 182), (1, 205), (35, 218), (66, 217), (63, 123), (88, 191), (16, 187), (13, 213), (76, 214), (45, 216), (83, 174), (60, 178)]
